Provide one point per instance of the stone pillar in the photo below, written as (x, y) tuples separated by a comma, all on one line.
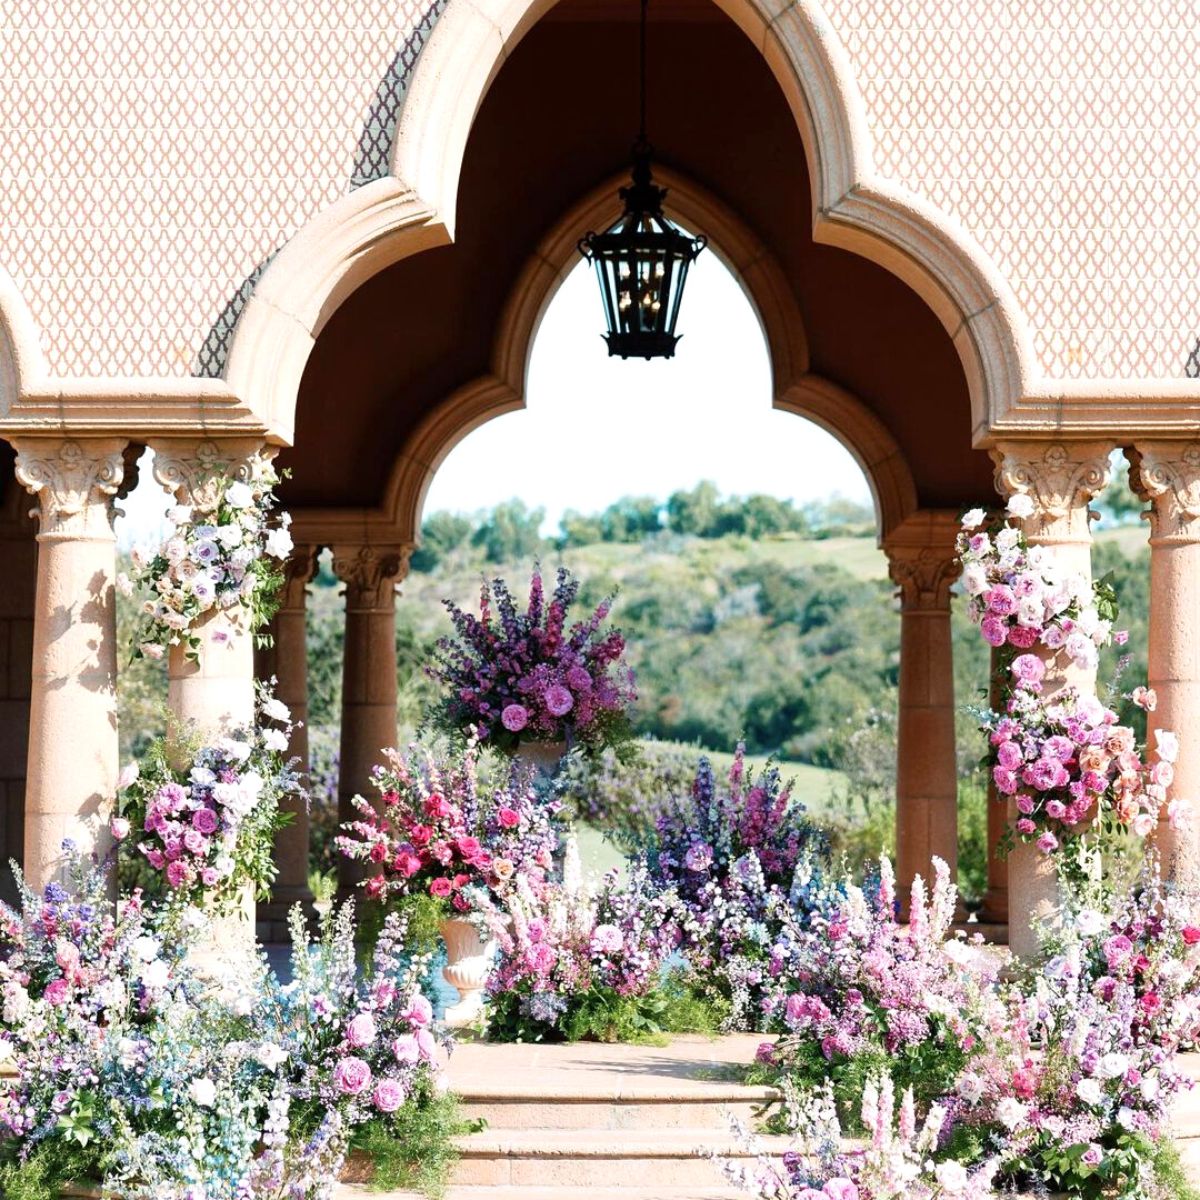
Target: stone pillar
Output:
[(371, 575), (73, 742), (994, 909), (1167, 474), (18, 587), (923, 564), (1060, 478), (216, 691), (287, 661)]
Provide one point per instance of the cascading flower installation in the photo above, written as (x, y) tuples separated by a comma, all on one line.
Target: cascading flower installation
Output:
[(439, 833), (513, 677), (1063, 758), (205, 816), (211, 560)]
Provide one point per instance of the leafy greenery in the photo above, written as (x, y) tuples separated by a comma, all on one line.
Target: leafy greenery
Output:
[(37, 1177)]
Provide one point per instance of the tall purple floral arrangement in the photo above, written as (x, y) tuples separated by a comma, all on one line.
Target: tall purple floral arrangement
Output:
[(512, 677)]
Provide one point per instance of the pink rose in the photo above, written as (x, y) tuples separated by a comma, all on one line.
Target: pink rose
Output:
[(155, 859), (1000, 600), (426, 1046), (1056, 809), (1023, 637), (389, 1095), (361, 1031), (558, 700), (1028, 669), (419, 1011), (1009, 755), (120, 828), (58, 992), (509, 818), (204, 821), (994, 631), (440, 887), (1047, 843), (1191, 935), (179, 874), (840, 1189), (209, 877), (405, 1048), (1162, 773), (1025, 826), (514, 717), (351, 1076)]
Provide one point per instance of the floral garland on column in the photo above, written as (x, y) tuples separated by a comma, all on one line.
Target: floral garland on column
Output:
[(210, 560), (1071, 767)]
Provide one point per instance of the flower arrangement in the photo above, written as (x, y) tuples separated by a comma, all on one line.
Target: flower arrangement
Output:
[(572, 966), (439, 833), (205, 815), (133, 1076), (212, 560), (513, 677), (1070, 767), (737, 857), (857, 993)]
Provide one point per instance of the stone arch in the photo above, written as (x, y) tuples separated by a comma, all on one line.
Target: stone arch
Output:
[(414, 208), (794, 388), (22, 362)]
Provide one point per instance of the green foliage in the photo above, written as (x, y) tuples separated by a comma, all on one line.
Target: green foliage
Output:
[(413, 1150), (39, 1176), (441, 534), (1170, 1178), (510, 531)]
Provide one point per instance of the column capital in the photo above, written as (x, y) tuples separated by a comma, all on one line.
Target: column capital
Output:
[(1060, 478), (298, 571), (192, 470), (74, 481), (923, 560), (371, 574), (1167, 476)]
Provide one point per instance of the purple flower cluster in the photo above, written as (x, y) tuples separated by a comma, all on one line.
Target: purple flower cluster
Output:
[(514, 677)]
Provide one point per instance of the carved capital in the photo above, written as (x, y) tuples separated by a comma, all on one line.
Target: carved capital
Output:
[(923, 560), (194, 470), (1167, 476), (74, 482), (298, 571), (371, 574), (1059, 479)]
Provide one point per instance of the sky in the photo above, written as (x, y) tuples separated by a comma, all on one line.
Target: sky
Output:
[(597, 428)]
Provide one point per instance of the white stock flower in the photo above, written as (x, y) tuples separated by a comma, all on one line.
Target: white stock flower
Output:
[(952, 1176)]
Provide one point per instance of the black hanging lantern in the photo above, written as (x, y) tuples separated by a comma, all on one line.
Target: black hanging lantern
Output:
[(642, 261)]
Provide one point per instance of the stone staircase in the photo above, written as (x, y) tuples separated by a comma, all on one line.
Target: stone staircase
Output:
[(594, 1122)]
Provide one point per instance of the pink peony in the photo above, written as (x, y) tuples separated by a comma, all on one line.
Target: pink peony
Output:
[(509, 818), (419, 1011), (515, 717), (1028, 669), (558, 700), (179, 874), (405, 1048), (994, 630), (351, 1076), (389, 1095), (841, 1189), (58, 992), (204, 821), (361, 1031)]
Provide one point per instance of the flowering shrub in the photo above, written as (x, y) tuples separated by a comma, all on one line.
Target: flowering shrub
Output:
[(206, 816), (732, 856), (514, 677), (212, 560), (132, 1075), (859, 994), (439, 833), (572, 966), (900, 1161)]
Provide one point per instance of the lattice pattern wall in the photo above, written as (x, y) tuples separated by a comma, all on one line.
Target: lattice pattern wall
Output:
[(155, 153), (1062, 134)]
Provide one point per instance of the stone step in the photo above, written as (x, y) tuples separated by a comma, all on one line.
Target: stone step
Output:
[(587, 1159), (665, 1109)]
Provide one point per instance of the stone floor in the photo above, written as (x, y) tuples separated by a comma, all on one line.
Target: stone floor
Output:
[(597, 1122)]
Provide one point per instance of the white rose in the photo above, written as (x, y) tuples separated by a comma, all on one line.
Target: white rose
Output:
[(230, 535), (239, 495), (1113, 1066), (271, 1055), (975, 579), (1091, 922), (1008, 538), (276, 709), (1127, 1119), (6, 1050), (1167, 745), (224, 865), (952, 1176), (232, 748), (275, 739), (1089, 1091), (278, 543), (181, 514), (1011, 1112), (973, 518), (1020, 506), (156, 975), (145, 948), (1149, 1088), (203, 1092)]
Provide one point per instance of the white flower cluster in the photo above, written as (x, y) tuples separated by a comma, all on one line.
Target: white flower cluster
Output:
[(209, 560)]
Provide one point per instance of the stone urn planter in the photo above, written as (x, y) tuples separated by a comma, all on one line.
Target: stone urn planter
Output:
[(469, 962), (227, 952), (544, 757)]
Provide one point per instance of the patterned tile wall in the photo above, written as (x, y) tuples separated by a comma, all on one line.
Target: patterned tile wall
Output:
[(154, 154)]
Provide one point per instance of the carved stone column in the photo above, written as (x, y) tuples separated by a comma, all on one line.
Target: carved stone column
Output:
[(1167, 474), (371, 575), (287, 661), (73, 743), (18, 590), (1060, 478), (215, 692), (923, 564)]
